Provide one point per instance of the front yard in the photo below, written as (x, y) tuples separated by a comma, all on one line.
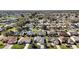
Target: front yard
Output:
[(77, 45), (1, 45), (17, 46), (64, 46)]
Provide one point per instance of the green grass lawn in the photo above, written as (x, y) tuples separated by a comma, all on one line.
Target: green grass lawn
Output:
[(30, 46), (2, 46), (64, 46), (53, 47), (38, 47), (77, 45), (13, 29), (17, 46), (50, 46), (35, 30)]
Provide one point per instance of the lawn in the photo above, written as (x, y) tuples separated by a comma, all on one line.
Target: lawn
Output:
[(53, 47), (1, 45), (13, 29), (64, 46), (30, 46), (35, 46), (17, 46), (35, 30), (77, 45), (38, 47), (49, 46)]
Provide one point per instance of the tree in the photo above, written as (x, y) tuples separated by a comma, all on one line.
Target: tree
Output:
[(44, 27)]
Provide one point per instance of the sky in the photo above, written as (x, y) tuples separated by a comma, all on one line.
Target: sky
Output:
[(38, 4)]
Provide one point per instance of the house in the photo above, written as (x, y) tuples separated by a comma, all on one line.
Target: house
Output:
[(52, 33), (53, 40), (73, 33), (75, 25), (75, 39), (63, 33), (1, 29), (71, 42), (41, 33), (29, 33), (16, 33), (39, 39), (63, 39), (21, 33), (11, 40), (24, 40)]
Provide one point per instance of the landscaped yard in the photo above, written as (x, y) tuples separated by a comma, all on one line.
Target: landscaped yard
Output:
[(33, 46), (35, 30), (13, 29), (53, 47), (30, 46), (49, 46), (77, 45), (64, 46), (17, 46), (1, 45), (38, 47)]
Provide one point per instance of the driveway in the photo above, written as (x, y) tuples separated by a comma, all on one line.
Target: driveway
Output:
[(74, 47), (8, 46)]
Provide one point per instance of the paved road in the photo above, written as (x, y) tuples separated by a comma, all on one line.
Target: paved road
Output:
[(8, 46)]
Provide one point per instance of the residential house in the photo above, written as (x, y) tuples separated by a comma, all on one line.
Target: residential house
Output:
[(24, 40)]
